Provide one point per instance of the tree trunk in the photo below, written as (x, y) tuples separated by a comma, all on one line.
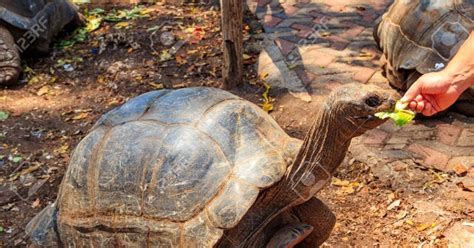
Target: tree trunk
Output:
[(232, 18)]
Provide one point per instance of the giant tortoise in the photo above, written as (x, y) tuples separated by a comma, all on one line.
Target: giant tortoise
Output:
[(418, 37), (29, 26), (201, 167)]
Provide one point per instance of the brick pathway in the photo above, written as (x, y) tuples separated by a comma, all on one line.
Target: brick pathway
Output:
[(312, 46)]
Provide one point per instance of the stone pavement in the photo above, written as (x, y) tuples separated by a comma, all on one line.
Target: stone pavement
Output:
[(312, 46)]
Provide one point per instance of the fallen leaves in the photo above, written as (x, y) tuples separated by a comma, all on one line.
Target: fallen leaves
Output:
[(157, 86), (121, 25), (43, 91), (346, 187), (165, 55), (35, 166), (127, 14), (394, 205), (267, 104), (36, 203), (4, 115), (15, 159), (80, 116)]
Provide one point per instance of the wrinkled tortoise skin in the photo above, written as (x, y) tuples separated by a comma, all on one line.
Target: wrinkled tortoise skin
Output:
[(168, 168), (28, 26), (418, 37)]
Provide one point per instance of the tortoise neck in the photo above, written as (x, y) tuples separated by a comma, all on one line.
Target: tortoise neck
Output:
[(323, 150)]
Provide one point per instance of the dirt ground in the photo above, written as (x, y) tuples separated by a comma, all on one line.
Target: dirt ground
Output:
[(62, 95)]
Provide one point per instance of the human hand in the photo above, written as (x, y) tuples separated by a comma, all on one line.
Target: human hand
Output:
[(433, 92)]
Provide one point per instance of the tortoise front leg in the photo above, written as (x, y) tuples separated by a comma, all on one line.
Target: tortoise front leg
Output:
[(317, 214), (10, 63), (306, 225), (290, 235)]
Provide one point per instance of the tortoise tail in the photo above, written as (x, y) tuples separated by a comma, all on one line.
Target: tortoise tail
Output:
[(42, 229)]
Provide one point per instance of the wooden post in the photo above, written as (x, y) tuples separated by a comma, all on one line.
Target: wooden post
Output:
[(232, 17)]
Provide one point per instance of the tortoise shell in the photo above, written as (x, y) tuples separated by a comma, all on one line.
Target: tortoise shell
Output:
[(42, 18), (169, 168)]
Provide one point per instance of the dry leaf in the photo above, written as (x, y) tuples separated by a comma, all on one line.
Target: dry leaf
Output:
[(394, 204), (62, 150), (423, 226), (165, 55), (36, 203), (157, 86), (43, 91), (121, 25), (80, 116), (181, 60), (401, 215), (263, 75), (338, 182), (267, 105)]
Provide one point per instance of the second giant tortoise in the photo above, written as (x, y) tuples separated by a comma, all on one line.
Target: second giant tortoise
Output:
[(200, 167), (29, 26), (418, 37)]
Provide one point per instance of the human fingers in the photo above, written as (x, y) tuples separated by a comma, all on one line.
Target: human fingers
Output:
[(412, 92), (420, 106), (413, 105), (428, 110)]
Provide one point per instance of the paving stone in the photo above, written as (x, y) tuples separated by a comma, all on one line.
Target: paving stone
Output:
[(432, 158), (251, 6), (338, 43), (291, 38), (288, 22), (363, 74), (465, 161), (369, 16), (306, 77), (418, 134), (260, 12), (276, 29), (393, 155), (317, 57), (289, 9), (303, 30), (271, 61), (262, 3), (271, 21), (285, 46), (337, 66), (466, 138), (352, 32), (294, 56), (394, 146), (397, 140), (448, 134), (375, 137)]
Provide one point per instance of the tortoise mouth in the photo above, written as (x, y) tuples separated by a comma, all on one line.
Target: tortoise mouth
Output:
[(376, 104)]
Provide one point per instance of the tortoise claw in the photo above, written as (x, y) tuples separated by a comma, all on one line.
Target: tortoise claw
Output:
[(10, 64), (9, 75)]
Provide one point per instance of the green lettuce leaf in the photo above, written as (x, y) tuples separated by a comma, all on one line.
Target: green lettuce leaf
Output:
[(400, 115)]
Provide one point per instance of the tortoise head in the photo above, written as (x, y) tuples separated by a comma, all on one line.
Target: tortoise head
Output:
[(354, 107)]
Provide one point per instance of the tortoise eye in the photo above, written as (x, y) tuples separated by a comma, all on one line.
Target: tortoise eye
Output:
[(373, 101)]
